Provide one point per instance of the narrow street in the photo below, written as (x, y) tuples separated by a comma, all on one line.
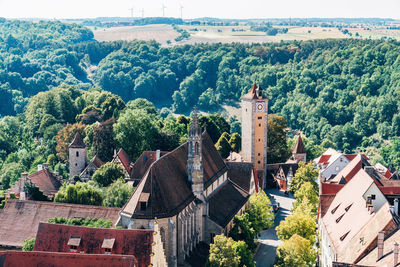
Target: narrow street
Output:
[(269, 241)]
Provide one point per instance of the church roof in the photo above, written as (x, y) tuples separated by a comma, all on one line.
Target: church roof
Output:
[(54, 238), (226, 202), (299, 148), (142, 164), (240, 173), (254, 93), (77, 142), (167, 184), (42, 258), (25, 215)]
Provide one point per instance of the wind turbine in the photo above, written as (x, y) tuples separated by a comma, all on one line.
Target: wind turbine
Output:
[(142, 12), (131, 10), (163, 10), (181, 8)]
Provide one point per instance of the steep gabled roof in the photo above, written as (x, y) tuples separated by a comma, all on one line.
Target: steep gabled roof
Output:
[(54, 238), (143, 163), (226, 202), (19, 219), (348, 172), (299, 147), (167, 183), (240, 173), (252, 94), (41, 258), (77, 142), (125, 159)]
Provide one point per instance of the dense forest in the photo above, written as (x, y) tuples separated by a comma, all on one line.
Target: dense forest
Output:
[(339, 93)]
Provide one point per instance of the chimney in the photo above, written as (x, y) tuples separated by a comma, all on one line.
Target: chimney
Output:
[(396, 206), (22, 189), (230, 156), (381, 237), (45, 166), (395, 254), (158, 154), (39, 167), (115, 153)]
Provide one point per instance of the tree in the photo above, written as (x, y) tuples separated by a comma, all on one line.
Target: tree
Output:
[(235, 142), (65, 137), (79, 193), (103, 140), (223, 146), (223, 253), (10, 172), (118, 193), (296, 251), (88, 222), (305, 173), (260, 212), (306, 192), (300, 224), (107, 174), (243, 230), (277, 150), (246, 257), (28, 244), (135, 131)]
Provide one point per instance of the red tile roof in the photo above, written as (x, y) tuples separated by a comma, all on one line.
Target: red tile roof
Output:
[(324, 159), (125, 159), (24, 217), (40, 259), (299, 148), (77, 142), (252, 94), (324, 203), (330, 189), (54, 238)]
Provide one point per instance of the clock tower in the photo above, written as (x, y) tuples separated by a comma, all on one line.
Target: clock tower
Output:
[(254, 131)]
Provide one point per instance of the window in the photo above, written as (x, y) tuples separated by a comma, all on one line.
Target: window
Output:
[(344, 236), (77, 153), (259, 140), (348, 207), (196, 148), (107, 251), (259, 125), (338, 219), (259, 162), (260, 118), (372, 197), (143, 206), (334, 210), (259, 154)]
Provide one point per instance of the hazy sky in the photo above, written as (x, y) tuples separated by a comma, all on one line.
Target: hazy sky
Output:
[(200, 8)]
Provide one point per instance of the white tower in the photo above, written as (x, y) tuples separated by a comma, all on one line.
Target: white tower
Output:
[(77, 156)]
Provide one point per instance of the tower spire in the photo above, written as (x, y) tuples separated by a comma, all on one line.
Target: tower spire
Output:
[(194, 163)]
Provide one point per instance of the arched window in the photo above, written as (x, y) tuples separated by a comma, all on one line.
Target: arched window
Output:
[(77, 153), (196, 148)]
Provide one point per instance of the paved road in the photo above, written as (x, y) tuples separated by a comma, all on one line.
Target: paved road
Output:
[(269, 241)]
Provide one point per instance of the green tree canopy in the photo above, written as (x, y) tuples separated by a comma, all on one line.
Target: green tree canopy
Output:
[(300, 224), (117, 194), (296, 251), (223, 253), (107, 174), (260, 211), (79, 193), (28, 244), (305, 173), (277, 150)]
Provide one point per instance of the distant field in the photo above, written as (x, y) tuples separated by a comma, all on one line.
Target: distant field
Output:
[(229, 34), (160, 33)]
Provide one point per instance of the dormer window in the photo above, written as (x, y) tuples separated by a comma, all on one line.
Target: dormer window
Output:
[(108, 244), (73, 243), (348, 207), (344, 236), (334, 210), (338, 219), (143, 200)]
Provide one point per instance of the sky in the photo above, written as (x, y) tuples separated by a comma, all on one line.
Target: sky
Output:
[(239, 9)]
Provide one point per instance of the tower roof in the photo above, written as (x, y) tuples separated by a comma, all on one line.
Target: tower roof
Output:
[(195, 129), (77, 142), (299, 147), (255, 93)]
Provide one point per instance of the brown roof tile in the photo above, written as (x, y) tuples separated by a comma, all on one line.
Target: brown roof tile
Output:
[(252, 94), (299, 147), (24, 217), (226, 202), (40, 258), (77, 142), (166, 181), (142, 164), (240, 173), (125, 159), (54, 238)]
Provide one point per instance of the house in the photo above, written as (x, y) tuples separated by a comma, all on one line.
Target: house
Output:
[(285, 174), (122, 159), (188, 191), (94, 164), (19, 219), (350, 226), (44, 179), (242, 174), (57, 259), (299, 152), (144, 245)]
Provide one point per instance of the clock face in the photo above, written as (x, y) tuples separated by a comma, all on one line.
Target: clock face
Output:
[(260, 106)]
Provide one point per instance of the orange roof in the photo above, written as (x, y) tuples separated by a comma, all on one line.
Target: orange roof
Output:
[(330, 189), (40, 258), (324, 159), (351, 169), (54, 238)]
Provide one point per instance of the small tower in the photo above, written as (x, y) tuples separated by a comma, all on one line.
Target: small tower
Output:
[(299, 151), (77, 156), (194, 163), (254, 131)]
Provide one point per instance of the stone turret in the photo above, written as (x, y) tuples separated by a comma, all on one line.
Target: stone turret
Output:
[(194, 163), (77, 156)]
